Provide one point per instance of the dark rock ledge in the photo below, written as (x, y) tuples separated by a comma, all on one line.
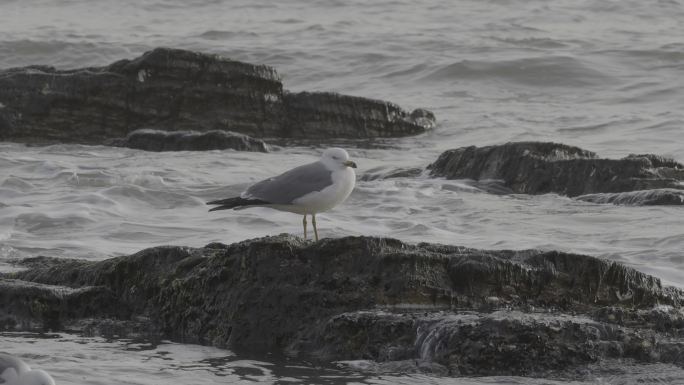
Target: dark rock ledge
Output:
[(442, 309), (177, 90), (539, 168)]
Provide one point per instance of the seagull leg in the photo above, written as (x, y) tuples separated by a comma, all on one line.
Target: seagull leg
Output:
[(313, 220), (304, 223)]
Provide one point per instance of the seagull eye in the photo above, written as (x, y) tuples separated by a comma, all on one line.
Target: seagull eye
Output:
[(336, 158)]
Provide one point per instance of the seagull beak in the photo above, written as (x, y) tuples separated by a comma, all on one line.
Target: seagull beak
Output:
[(349, 163)]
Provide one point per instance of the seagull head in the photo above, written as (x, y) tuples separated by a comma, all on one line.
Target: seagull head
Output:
[(336, 159)]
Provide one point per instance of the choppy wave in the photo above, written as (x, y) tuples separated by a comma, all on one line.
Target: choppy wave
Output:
[(542, 71), (225, 35), (86, 52), (537, 42)]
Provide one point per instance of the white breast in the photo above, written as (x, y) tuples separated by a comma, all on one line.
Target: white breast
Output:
[(331, 196)]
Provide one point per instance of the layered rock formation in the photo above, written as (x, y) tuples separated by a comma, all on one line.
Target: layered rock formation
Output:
[(442, 309), (169, 89), (539, 168)]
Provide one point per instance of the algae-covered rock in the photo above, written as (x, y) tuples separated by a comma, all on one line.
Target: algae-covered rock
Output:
[(446, 309)]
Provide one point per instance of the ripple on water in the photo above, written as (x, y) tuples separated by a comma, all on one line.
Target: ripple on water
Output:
[(17, 184), (94, 200), (64, 222), (134, 196), (545, 71), (226, 35), (63, 54)]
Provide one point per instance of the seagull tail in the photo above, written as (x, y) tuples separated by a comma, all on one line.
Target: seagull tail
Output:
[(235, 203)]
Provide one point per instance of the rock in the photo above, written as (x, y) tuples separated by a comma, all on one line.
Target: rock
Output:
[(34, 306), (157, 140), (325, 115), (503, 342), (539, 168), (447, 310), (657, 197), (177, 90)]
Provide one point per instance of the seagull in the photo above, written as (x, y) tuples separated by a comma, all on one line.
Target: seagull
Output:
[(307, 190), (14, 371)]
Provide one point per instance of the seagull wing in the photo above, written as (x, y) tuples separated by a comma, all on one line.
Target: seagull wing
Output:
[(293, 184)]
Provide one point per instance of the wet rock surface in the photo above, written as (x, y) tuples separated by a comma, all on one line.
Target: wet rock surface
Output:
[(308, 112), (157, 140), (657, 197), (177, 90), (440, 309), (539, 168)]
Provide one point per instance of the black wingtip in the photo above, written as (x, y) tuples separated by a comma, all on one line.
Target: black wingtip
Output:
[(232, 203)]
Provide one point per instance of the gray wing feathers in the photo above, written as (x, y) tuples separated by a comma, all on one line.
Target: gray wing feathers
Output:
[(293, 184)]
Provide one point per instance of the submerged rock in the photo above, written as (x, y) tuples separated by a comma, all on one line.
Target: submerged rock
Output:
[(657, 197), (177, 90), (539, 168), (445, 309), (157, 140)]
